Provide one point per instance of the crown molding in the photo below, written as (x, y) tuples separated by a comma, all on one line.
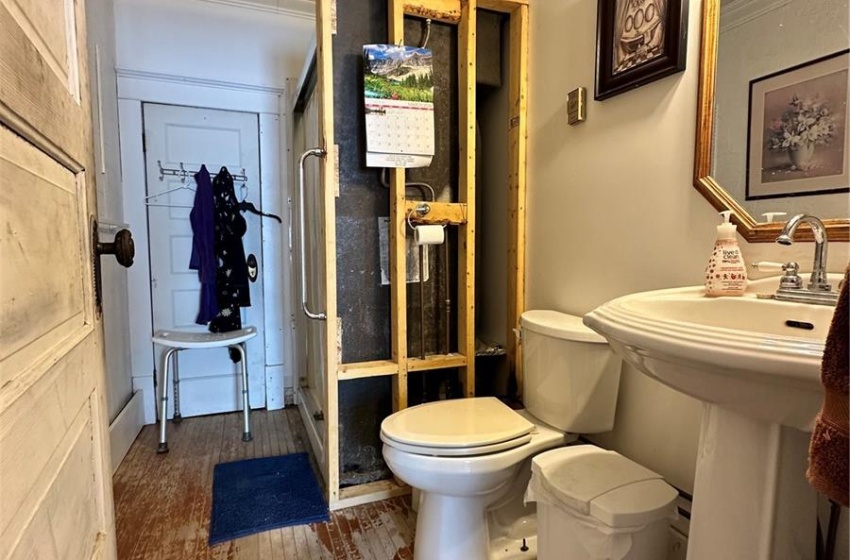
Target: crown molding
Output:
[(302, 9), (735, 13), (185, 80)]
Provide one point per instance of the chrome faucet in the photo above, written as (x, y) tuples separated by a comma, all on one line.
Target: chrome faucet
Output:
[(819, 289)]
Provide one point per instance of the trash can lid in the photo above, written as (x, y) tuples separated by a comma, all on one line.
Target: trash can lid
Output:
[(605, 485)]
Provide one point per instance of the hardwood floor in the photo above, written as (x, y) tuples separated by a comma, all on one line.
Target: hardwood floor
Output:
[(162, 502)]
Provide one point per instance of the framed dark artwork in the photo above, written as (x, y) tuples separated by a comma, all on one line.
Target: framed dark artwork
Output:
[(798, 134), (638, 42)]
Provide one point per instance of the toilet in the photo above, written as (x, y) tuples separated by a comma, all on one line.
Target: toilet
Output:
[(471, 458)]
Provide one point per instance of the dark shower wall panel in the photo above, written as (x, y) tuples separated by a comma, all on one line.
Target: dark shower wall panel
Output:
[(363, 304)]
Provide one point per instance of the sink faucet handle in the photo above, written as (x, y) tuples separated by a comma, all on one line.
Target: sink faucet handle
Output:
[(767, 266), (769, 216), (790, 278)]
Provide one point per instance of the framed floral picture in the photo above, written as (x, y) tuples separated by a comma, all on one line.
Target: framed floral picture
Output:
[(638, 42), (798, 136)]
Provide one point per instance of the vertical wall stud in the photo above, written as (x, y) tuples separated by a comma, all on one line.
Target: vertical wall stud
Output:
[(466, 191), (517, 151), (398, 247)]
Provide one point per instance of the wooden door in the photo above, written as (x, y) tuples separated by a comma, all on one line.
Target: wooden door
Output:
[(55, 488), (210, 382)]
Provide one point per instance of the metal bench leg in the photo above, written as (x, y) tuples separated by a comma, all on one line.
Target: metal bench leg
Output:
[(163, 411), (177, 418), (246, 409)]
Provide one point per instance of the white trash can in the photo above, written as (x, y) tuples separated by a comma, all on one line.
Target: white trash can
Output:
[(594, 504)]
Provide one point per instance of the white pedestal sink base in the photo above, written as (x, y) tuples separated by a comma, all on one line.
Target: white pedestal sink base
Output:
[(751, 497)]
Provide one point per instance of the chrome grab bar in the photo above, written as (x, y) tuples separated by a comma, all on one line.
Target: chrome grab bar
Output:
[(317, 152)]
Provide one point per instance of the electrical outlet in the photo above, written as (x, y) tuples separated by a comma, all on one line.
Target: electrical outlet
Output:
[(677, 547)]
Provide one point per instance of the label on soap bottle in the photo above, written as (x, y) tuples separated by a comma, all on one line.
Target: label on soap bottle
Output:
[(725, 274)]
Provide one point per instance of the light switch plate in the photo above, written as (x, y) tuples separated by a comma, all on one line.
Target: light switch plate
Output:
[(576, 105)]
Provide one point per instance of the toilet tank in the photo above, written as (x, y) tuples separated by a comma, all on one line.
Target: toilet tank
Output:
[(570, 375)]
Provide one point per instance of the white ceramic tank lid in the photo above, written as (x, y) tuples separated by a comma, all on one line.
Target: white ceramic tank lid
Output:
[(605, 485), (470, 422), (559, 325)]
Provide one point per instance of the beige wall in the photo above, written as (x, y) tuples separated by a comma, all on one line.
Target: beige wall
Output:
[(611, 211)]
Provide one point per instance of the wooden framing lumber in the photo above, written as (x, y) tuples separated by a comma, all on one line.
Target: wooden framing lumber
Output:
[(504, 6), (440, 213), (448, 11), (327, 180), (517, 152), (376, 368), (398, 247), (369, 492), (438, 361), (466, 190)]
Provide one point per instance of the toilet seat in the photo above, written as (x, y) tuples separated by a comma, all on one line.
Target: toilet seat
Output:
[(456, 451), (458, 427)]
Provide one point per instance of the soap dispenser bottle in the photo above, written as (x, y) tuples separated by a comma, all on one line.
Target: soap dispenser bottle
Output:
[(726, 274)]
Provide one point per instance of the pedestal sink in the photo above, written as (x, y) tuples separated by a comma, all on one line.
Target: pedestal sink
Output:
[(755, 363)]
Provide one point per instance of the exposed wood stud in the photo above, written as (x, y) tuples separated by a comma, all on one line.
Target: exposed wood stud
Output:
[(324, 66), (440, 213), (517, 152), (466, 191), (398, 247), (448, 11)]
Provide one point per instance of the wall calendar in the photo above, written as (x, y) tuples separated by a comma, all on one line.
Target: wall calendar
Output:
[(399, 102)]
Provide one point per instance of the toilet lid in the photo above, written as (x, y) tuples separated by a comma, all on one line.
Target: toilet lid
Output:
[(457, 424), (456, 451)]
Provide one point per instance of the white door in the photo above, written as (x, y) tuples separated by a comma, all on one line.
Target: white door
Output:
[(55, 486), (188, 136)]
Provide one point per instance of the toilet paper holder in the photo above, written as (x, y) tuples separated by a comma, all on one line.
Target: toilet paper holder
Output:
[(421, 210), (420, 232)]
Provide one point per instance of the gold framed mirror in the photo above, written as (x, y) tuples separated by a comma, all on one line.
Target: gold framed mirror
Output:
[(705, 177)]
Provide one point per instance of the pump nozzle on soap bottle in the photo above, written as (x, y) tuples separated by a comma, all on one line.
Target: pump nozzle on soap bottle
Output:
[(726, 273)]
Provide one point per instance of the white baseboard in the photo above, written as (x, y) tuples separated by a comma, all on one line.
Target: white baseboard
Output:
[(125, 428)]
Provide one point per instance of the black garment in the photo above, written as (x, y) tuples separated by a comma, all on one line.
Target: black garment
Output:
[(232, 274)]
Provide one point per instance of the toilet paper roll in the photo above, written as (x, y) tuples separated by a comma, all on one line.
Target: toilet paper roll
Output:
[(429, 235)]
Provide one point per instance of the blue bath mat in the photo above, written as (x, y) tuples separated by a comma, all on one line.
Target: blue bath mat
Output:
[(262, 494)]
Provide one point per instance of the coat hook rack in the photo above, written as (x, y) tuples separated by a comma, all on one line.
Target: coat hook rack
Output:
[(184, 173)]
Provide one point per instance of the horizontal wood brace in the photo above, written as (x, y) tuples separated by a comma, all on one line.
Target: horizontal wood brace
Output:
[(453, 213), (367, 369), (437, 361), (369, 492), (506, 6), (439, 10)]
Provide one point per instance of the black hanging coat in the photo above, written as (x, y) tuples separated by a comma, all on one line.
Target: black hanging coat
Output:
[(232, 273)]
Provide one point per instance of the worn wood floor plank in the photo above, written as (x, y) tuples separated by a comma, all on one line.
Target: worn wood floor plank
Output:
[(163, 502)]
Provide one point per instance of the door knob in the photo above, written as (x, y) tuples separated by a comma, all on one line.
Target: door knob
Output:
[(123, 248)]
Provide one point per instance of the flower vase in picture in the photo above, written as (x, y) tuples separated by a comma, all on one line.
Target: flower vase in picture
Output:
[(799, 130), (801, 155), (804, 124)]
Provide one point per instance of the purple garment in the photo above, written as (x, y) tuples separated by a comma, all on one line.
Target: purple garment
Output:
[(203, 246)]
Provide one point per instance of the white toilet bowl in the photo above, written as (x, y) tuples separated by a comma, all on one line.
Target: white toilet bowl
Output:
[(470, 458), (460, 484)]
